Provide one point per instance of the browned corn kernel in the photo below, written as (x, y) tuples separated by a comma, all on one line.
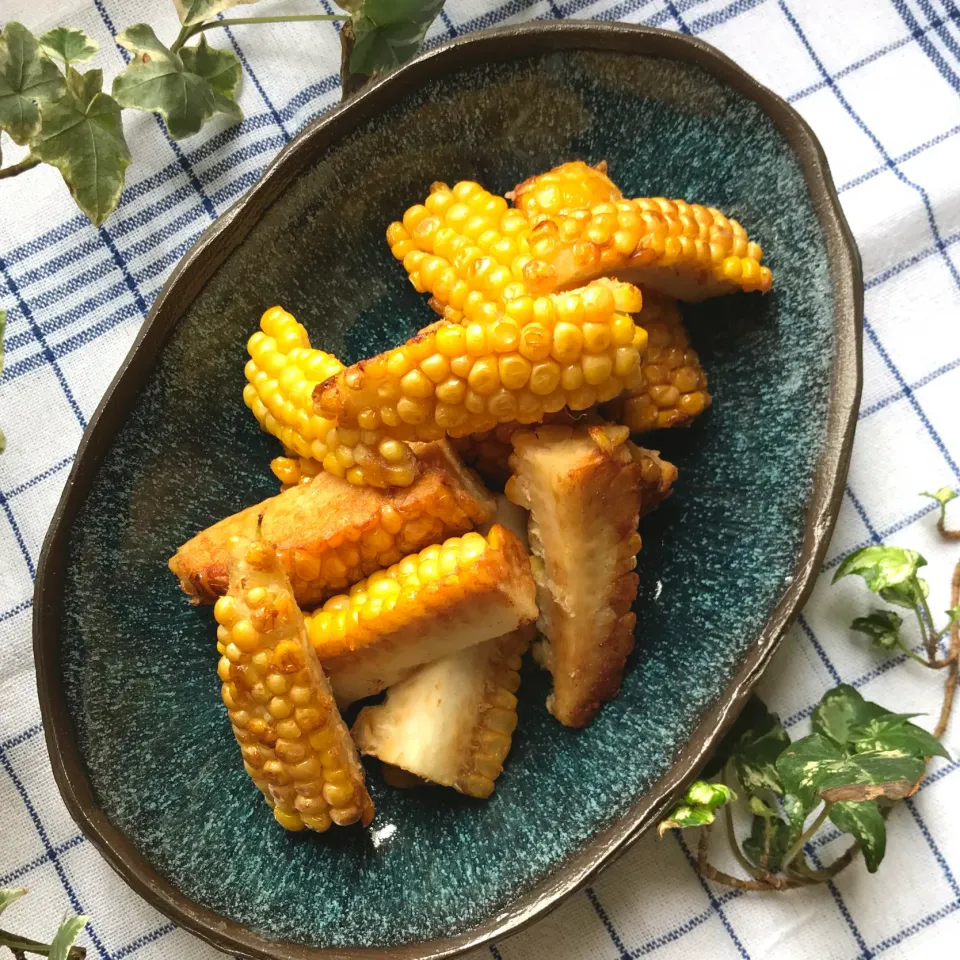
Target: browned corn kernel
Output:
[(673, 389), (565, 350), (584, 488), (330, 534), (310, 774), (282, 372), (399, 618), (451, 721)]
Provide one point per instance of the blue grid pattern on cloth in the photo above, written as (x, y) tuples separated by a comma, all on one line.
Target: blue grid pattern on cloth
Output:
[(879, 80)]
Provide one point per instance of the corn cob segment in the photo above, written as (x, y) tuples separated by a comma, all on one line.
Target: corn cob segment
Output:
[(673, 391), (281, 371), (451, 722), (430, 605), (295, 745), (583, 488), (570, 350), (329, 534)]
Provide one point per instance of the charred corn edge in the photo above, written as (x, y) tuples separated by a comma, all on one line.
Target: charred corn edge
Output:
[(492, 740), (420, 585), (295, 745)]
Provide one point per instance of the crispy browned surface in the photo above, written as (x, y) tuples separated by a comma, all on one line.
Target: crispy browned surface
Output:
[(584, 489), (330, 533), (657, 477)]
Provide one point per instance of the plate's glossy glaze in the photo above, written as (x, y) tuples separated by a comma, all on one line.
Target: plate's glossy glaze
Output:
[(140, 741)]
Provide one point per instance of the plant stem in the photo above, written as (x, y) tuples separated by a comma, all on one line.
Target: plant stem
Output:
[(797, 846), (17, 168), (910, 653), (928, 643), (187, 32), (933, 636), (708, 871), (950, 687), (732, 835), (21, 945)]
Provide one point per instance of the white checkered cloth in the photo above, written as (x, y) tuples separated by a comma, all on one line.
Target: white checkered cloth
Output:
[(879, 80)]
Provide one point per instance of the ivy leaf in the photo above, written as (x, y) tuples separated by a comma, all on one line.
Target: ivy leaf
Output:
[(895, 732), (778, 843), (390, 32), (82, 136), (882, 627), (196, 11), (9, 894), (66, 936), (755, 759), (943, 496), (157, 81), (685, 816), (840, 709), (221, 69), (26, 76), (889, 773), (69, 44), (754, 719), (796, 811), (881, 567), (803, 764), (907, 594), (863, 820)]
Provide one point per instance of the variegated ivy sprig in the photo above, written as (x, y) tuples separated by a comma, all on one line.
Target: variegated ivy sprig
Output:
[(859, 760), (67, 120), (61, 947)]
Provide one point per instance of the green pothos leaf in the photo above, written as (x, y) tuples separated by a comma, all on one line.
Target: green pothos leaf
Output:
[(9, 894), (69, 44), (755, 759), (390, 32), (840, 709), (698, 806), (796, 810), (685, 816), (754, 720), (907, 594), (196, 11), (156, 80), (66, 936), (770, 834), (82, 136), (864, 821), (803, 763), (26, 76), (881, 566), (882, 627), (895, 732), (943, 496), (221, 69)]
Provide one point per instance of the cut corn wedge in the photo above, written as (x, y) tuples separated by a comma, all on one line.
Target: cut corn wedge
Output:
[(451, 722), (295, 745), (444, 599), (329, 534), (584, 489)]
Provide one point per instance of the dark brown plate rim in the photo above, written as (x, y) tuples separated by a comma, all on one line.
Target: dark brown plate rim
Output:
[(189, 277)]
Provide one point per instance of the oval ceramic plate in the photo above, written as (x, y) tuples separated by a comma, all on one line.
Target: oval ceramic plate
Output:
[(140, 743)]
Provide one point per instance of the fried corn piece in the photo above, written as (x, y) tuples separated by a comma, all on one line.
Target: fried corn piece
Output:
[(657, 477), (565, 189), (432, 604), (673, 391), (584, 489), (293, 470), (471, 252), (568, 350), (282, 370), (295, 746), (329, 534), (451, 722)]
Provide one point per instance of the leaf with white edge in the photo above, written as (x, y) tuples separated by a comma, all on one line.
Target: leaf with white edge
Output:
[(881, 566), (69, 44), (755, 759), (26, 76), (709, 795), (943, 496), (221, 69), (82, 136), (66, 936), (685, 816), (196, 11), (156, 81), (882, 627), (895, 732), (9, 894), (773, 833), (840, 709), (802, 765), (864, 821)]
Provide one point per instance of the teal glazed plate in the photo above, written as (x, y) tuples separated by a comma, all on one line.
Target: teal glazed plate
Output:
[(140, 742)]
